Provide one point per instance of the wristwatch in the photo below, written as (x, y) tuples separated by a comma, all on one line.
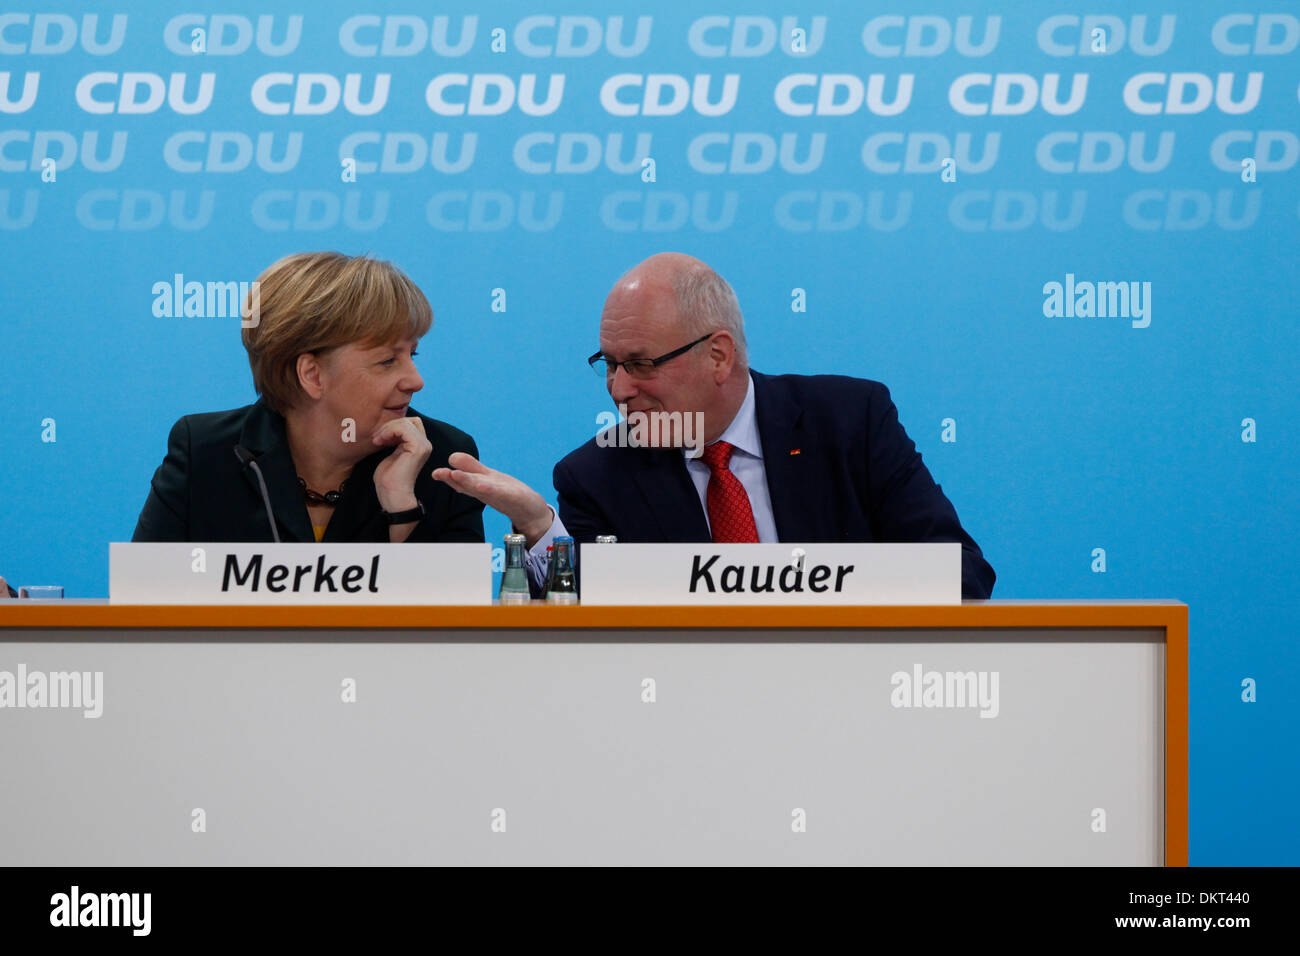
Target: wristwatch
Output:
[(402, 517)]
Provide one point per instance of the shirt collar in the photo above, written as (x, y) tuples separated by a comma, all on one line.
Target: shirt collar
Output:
[(742, 433)]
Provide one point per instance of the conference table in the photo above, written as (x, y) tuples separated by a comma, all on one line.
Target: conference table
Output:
[(992, 732)]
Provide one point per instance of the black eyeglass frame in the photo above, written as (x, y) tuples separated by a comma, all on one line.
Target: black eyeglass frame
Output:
[(597, 360)]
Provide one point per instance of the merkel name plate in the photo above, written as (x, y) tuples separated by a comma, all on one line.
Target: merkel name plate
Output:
[(216, 573)]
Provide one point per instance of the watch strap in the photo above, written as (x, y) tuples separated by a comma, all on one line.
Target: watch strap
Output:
[(402, 517)]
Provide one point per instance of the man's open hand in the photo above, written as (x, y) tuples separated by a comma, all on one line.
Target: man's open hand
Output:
[(527, 511)]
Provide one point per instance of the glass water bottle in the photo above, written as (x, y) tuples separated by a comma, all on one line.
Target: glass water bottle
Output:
[(514, 579), (563, 587)]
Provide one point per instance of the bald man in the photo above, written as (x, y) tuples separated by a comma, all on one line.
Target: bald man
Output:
[(778, 457)]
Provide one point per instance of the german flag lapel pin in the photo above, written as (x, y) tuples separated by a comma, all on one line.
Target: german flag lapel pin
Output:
[(796, 451)]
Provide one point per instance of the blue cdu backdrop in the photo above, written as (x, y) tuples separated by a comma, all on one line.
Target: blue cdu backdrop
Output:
[(1066, 242)]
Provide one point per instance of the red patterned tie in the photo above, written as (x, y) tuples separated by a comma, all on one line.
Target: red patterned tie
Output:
[(730, 516)]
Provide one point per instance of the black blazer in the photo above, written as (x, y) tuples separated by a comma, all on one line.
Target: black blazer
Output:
[(839, 468), (203, 492)]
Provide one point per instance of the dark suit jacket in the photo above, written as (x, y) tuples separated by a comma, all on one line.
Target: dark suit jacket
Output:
[(856, 477), (203, 492)]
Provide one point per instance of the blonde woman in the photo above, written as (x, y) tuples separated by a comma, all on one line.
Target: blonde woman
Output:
[(332, 449)]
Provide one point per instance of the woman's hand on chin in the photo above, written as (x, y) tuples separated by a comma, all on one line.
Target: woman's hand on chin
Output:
[(396, 474)]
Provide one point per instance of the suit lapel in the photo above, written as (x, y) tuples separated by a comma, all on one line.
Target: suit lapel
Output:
[(265, 437), (793, 472), (670, 496)]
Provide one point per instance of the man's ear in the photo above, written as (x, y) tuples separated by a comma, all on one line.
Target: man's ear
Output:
[(722, 353), (309, 375)]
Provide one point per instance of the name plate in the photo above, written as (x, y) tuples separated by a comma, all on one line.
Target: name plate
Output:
[(216, 573), (685, 574)]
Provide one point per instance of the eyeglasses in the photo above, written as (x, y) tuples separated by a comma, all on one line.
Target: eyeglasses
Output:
[(641, 367)]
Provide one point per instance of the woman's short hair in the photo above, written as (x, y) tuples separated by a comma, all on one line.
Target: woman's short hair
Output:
[(312, 301)]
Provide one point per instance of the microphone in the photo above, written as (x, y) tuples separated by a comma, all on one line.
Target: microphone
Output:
[(246, 458)]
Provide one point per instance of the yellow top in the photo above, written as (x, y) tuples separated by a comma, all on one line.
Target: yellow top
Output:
[(318, 530)]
